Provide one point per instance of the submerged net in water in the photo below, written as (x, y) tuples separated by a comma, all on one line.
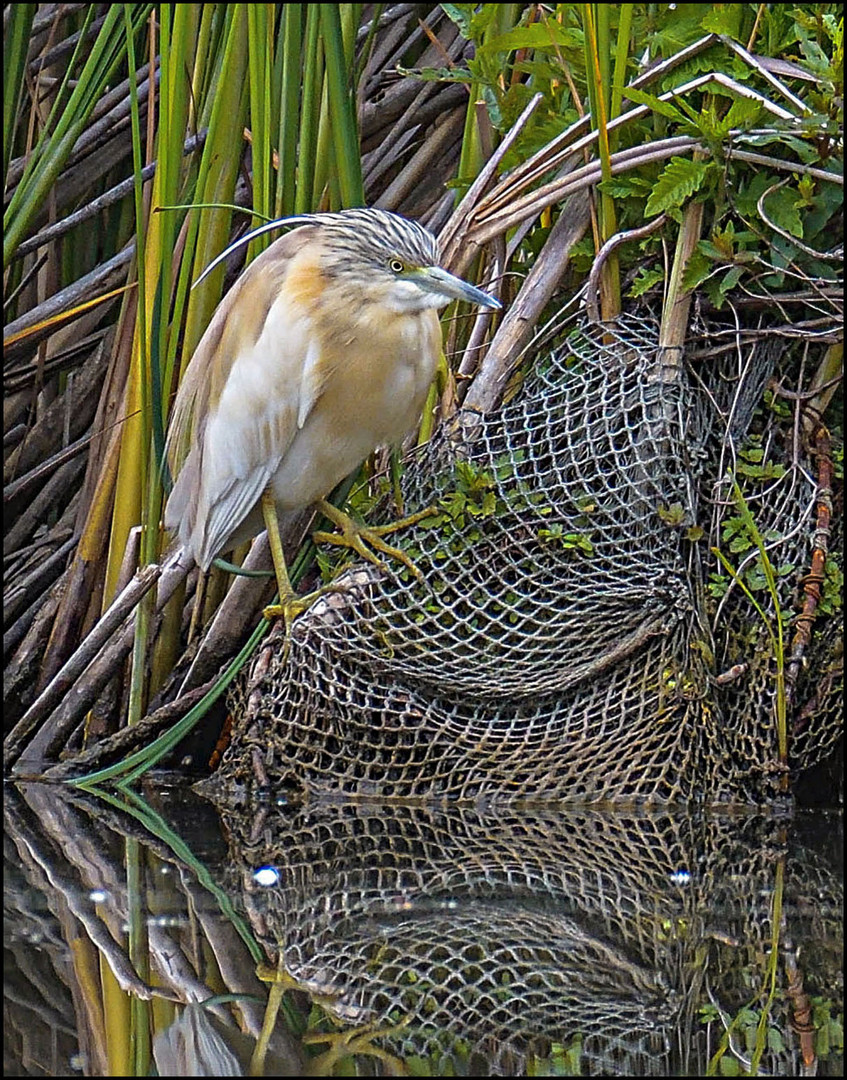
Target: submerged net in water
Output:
[(561, 642)]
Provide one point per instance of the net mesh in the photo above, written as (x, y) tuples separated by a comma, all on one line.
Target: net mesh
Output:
[(499, 936), (561, 642)]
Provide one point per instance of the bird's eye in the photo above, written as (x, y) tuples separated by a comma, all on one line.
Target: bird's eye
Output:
[(395, 266)]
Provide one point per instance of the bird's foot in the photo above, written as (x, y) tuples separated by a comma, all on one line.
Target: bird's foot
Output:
[(290, 607), (359, 1040), (357, 537)]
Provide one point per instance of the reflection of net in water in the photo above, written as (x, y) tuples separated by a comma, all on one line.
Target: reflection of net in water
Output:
[(500, 938), (560, 644)]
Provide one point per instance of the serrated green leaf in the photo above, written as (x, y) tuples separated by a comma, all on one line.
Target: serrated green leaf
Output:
[(724, 19), (805, 151), (646, 280), (663, 108), (455, 75), (731, 279), (732, 526), (806, 191), (697, 269), (461, 15), (678, 181), (816, 59), (547, 35), (729, 1066), (712, 289), (781, 207), (743, 113)]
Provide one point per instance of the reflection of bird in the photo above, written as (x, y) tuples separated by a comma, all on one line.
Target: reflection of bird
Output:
[(324, 349)]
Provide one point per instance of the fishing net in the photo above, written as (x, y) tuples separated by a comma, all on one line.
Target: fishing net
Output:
[(564, 641)]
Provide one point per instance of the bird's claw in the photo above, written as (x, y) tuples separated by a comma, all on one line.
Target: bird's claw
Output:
[(293, 606), (359, 1040), (357, 537)]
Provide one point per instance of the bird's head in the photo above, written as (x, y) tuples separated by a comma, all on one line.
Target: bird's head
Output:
[(382, 257), (392, 261)]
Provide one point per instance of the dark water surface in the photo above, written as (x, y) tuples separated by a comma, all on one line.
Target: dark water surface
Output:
[(396, 940)]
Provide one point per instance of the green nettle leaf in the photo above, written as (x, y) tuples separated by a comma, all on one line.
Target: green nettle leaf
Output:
[(717, 586), (806, 152), (724, 240), (712, 289), (697, 269), (751, 191), (461, 15), (780, 206), (724, 19), (806, 190), (626, 187), (456, 75), (729, 1066), (783, 253), (646, 280), (743, 113), (663, 108), (731, 279), (816, 58), (678, 181), (538, 36)]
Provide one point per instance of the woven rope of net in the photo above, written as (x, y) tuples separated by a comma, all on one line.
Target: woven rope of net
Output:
[(497, 933), (559, 644)]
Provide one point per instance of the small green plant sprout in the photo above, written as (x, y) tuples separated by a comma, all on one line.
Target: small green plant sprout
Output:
[(556, 534)]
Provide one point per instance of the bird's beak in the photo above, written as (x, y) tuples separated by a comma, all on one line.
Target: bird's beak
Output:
[(434, 280)]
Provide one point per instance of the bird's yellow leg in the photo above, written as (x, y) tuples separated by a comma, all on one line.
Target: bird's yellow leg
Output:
[(358, 537), (290, 604), (342, 1044), (260, 1051)]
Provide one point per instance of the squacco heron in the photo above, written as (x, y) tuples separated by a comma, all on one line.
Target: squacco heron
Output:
[(323, 350)]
